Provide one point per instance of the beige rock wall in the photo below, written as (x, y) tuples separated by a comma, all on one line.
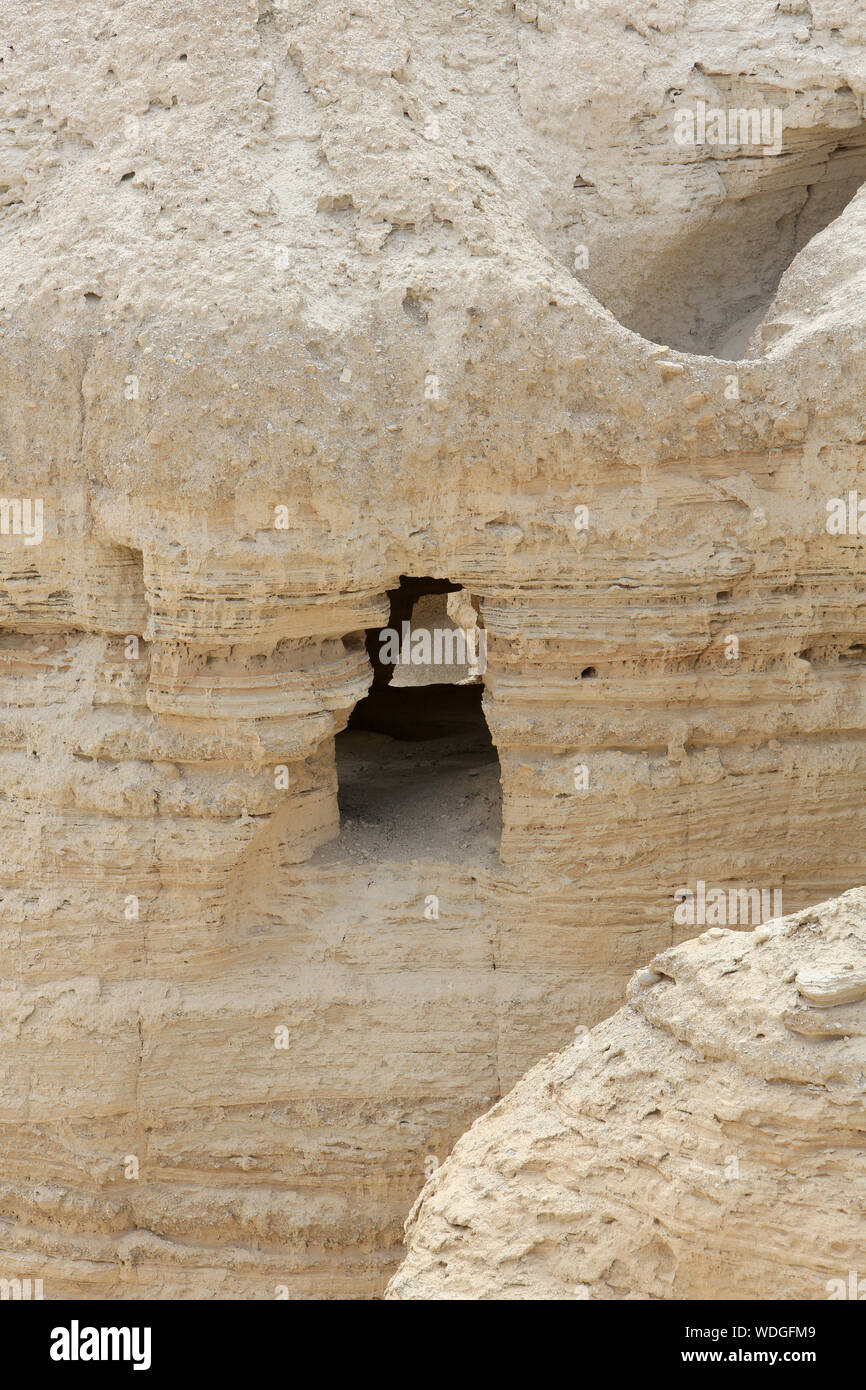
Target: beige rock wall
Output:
[(288, 308), (704, 1143)]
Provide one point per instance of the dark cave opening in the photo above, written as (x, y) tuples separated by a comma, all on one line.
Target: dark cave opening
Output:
[(417, 769)]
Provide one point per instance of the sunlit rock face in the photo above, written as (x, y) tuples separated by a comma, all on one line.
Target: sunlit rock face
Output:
[(706, 1142), (310, 314)]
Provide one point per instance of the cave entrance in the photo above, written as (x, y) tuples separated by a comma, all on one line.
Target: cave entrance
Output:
[(417, 769)]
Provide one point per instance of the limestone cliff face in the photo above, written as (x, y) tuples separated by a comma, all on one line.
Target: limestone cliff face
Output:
[(705, 1142), (300, 299)]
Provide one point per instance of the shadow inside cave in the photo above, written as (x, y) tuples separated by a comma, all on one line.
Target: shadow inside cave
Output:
[(418, 773)]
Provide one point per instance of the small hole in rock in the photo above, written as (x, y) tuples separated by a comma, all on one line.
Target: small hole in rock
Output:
[(414, 307)]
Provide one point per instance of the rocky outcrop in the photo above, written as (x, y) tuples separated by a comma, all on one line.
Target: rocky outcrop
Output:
[(706, 1142), (298, 301)]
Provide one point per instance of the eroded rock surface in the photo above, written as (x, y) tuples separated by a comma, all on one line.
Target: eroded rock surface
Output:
[(294, 302), (706, 1142)]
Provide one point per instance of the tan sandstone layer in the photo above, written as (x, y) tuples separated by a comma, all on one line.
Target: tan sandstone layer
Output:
[(706, 1142), (299, 298)]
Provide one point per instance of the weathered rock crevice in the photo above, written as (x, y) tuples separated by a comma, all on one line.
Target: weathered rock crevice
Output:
[(710, 287)]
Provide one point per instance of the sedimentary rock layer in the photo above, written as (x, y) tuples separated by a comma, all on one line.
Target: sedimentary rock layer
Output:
[(706, 1142), (294, 302)]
